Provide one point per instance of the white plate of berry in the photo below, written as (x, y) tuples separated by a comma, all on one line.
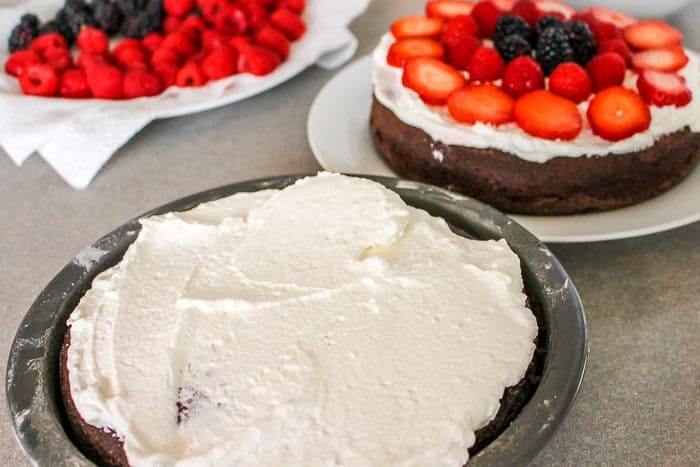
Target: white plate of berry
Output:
[(588, 101)]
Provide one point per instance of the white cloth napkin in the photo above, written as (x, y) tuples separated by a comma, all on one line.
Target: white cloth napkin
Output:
[(77, 137)]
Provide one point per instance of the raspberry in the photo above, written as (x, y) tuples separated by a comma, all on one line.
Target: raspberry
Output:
[(20, 60), (289, 23), (458, 28), (527, 10), (86, 61), (152, 41), (180, 43), (59, 58), (257, 60), (605, 31), (167, 73), (93, 40), (74, 85), (139, 83), (128, 53), (522, 75), (256, 13), (105, 81), (220, 63), (461, 53), (39, 80), (190, 75), (606, 69), (231, 21), (486, 14), (240, 43), (212, 8), (297, 6), (42, 43), (486, 65), (273, 39), (571, 81), (211, 39), (171, 24), (178, 8), (619, 47), (165, 55), (194, 22)]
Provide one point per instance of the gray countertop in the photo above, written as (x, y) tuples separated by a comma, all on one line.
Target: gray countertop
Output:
[(640, 401)]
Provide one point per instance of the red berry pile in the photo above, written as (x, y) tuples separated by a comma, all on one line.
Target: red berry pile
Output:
[(531, 62), (200, 41)]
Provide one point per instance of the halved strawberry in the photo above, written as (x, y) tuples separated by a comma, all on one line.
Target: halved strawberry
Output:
[(504, 5), (617, 113), (660, 89), (652, 34), (417, 26), (413, 47), (668, 59), (608, 15), (432, 79), (448, 8), (553, 6), (546, 115), (483, 103)]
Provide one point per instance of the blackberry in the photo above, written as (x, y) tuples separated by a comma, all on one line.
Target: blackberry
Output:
[(130, 8), (107, 15), (547, 21), (513, 46), (582, 40), (509, 25), (51, 26), (147, 21), (29, 20), (21, 37), (72, 17), (553, 48)]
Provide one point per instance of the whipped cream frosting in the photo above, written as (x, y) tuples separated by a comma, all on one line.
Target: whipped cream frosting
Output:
[(327, 323), (440, 126)]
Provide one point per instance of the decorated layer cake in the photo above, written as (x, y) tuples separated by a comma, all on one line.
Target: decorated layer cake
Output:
[(327, 323), (536, 108)]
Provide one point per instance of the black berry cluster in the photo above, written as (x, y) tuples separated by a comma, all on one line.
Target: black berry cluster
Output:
[(132, 18), (552, 41)]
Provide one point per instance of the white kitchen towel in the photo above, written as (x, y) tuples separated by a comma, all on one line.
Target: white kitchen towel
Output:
[(77, 137)]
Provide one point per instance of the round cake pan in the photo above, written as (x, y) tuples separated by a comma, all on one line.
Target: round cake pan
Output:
[(32, 372)]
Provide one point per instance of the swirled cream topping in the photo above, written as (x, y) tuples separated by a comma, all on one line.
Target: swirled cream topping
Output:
[(440, 126), (327, 323)]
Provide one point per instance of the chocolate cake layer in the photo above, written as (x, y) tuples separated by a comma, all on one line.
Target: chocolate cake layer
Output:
[(106, 449), (562, 185)]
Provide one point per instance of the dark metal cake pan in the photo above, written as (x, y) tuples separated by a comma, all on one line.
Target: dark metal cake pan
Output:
[(32, 372)]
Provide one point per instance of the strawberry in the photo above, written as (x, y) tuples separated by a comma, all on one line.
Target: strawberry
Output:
[(257, 60), (460, 54), (527, 10), (403, 49), (448, 8), (39, 79), (606, 69), (605, 31), (486, 14), (231, 21), (178, 8), (619, 47), (668, 59), (432, 79), (571, 81), (522, 75), (190, 75), (59, 58), (661, 89), (504, 5), (93, 40), (74, 85), (20, 60), (417, 26), (617, 113), (483, 103), (220, 63), (652, 34), (289, 23), (273, 39), (45, 41), (485, 65), (546, 115), (105, 81), (607, 15), (458, 28), (555, 8), (152, 41), (140, 83)]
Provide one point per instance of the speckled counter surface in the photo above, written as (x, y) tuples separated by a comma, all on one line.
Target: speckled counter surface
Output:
[(640, 401)]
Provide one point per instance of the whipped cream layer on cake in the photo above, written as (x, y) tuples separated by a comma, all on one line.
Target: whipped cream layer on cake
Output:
[(440, 126), (327, 323)]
